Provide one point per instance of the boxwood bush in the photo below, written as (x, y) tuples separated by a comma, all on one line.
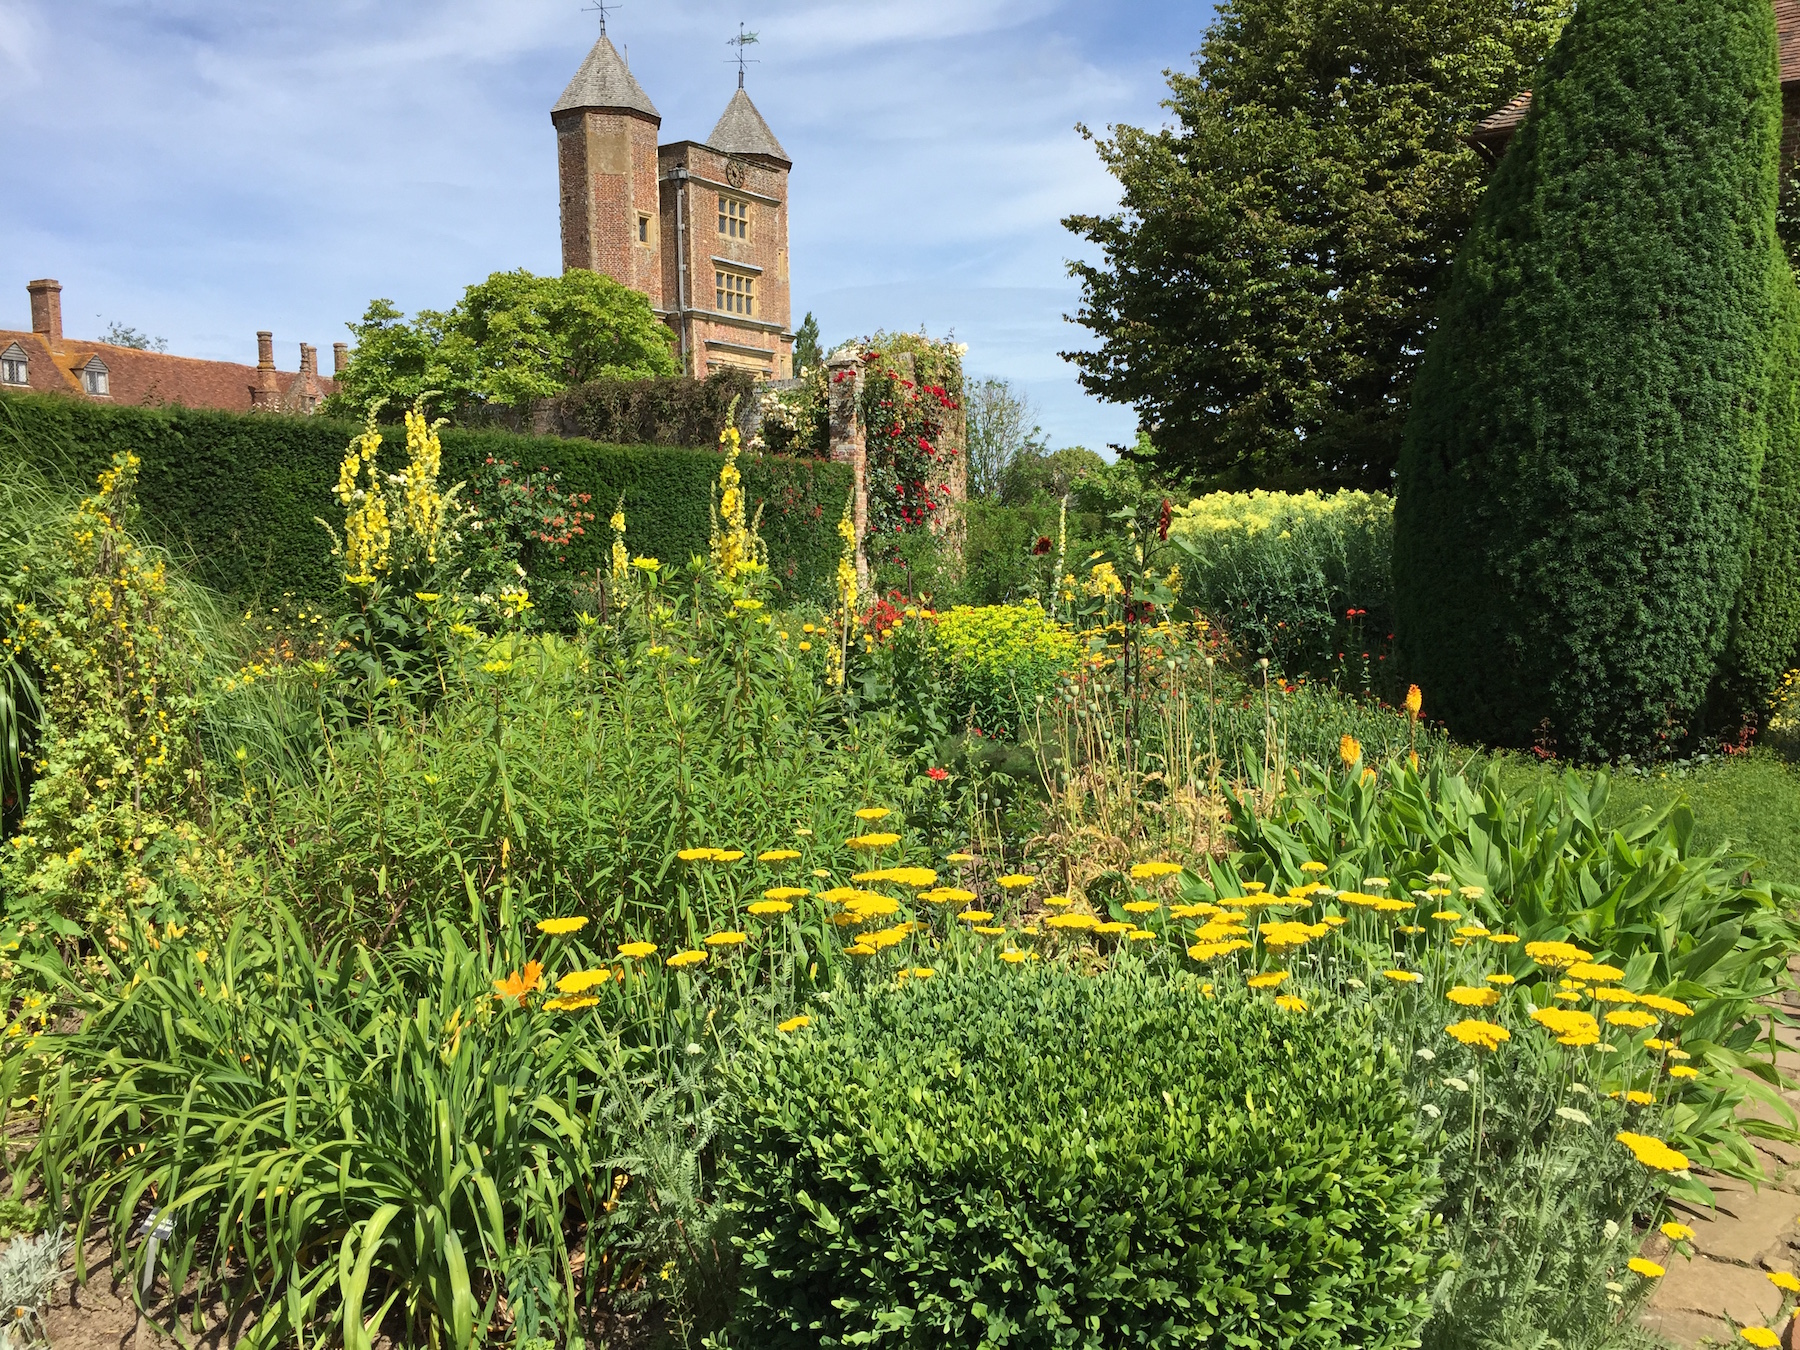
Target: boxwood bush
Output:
[(1033, 1157)]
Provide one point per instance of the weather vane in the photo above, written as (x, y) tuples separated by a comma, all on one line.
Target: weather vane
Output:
[(602, 8), (741, 41)]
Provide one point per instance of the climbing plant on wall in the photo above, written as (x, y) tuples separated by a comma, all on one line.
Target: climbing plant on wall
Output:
[(912, 388)]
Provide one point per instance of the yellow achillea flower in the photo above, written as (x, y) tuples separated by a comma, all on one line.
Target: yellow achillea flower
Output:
[(1210, 951), (1473, 998), (1288, 933), (580, 981), (1556, 955), (947, 895), (1503, 939), (1673, 1007), (727, 854), (1472, 931), (1411, 929), (1683, 1071), (1113, 928), (794, 1023), (1197, 911), (873, 841), (561, 927), (1594, 974), (1568, 1026), (1652, 1152), (637, 949), (923, 972), (681, 959), (1142, 907), (1012, 958), (1632, 1018), (1501, 979), (1781, 1279), (1252, 887), (1648, 1269), (1140, 935), (1404, 976), (973, 916), (1149, 871), (570, 1002), (1677, 1232), (730, 938), (1761, 1337), (1075, 921), (1290, 1003), (874, 813), (1481, 1035), (1058, 901), (988, 930), (778, 855), (959, 857), (1314, 867), (1610, 994), (764, 908), (1016, 880), (786, 893), (1268, 980), (1633, 1098), (1446, 916), (916, 877), (860, 949), (697, 854), (1677, 1054)]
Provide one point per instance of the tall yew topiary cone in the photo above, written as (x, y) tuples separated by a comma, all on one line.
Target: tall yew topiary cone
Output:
[(1579, 499)]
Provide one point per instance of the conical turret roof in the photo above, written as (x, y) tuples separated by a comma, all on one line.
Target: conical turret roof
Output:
[(742, 131), (605, 81)]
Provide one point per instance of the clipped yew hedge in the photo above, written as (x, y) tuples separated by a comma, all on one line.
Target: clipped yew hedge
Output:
[(1594, 540), (241, 494), (1032, 1157)]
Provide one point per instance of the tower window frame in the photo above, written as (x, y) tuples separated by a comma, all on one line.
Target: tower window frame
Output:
[(643, 233), (734, 292), (734, 217), (15, 366)]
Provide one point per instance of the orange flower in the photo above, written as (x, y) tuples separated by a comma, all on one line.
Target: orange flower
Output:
[(521, 984), (1414, 701)]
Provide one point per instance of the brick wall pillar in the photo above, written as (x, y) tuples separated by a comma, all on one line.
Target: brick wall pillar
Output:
[(849, 443)]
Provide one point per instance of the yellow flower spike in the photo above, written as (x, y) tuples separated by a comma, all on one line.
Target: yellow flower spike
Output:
[(794, 1024), (561, 927)]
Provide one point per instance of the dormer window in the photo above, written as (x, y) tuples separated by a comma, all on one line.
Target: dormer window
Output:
[(15, 368), (93, 379)]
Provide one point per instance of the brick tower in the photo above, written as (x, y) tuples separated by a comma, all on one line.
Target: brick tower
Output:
[(606, 162)]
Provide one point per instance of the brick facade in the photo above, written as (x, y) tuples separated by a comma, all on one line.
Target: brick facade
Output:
[(700, 228)]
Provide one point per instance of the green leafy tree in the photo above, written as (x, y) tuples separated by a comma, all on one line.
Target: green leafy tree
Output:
[(807, 352), (511, 339), (1263, 296), (1579, 490), (1001, 430)]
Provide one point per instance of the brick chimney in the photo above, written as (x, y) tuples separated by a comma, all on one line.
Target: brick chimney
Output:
[(267, 393), (309, 359), (46, 311), (340, 357)]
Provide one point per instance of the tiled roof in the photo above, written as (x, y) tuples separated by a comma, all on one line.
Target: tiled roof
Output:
[(1494, 131), (152, 379), (742, 131), (605, 81)]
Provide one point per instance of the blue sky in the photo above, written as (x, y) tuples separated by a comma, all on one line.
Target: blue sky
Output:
[(201, 169)]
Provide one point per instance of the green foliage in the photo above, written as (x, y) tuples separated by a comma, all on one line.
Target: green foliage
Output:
[(1580, 475), (1283, 249), (242, 495), (1302, 579), (510, 340), (1700, 928), (1190, 1172), (673, 411), (350, 1138), (1000, 431), (807, 351), (1002, 660), (797, 421)]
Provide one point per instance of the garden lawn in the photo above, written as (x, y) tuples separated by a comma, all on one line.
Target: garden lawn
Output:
[(1749, 802)]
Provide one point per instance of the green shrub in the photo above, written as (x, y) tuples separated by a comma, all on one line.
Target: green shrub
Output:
[(1302, 578), (1001, 659), (241, 495), (673, 411), (1577, 483), (1037, 1158)]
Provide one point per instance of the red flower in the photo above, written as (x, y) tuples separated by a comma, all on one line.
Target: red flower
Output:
[(1162, 525), (937, 775), (1042, 546)]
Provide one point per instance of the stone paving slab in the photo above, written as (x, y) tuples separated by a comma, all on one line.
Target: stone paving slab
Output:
[(1686, 1328), (1749, 1223), (1717, 1287)]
